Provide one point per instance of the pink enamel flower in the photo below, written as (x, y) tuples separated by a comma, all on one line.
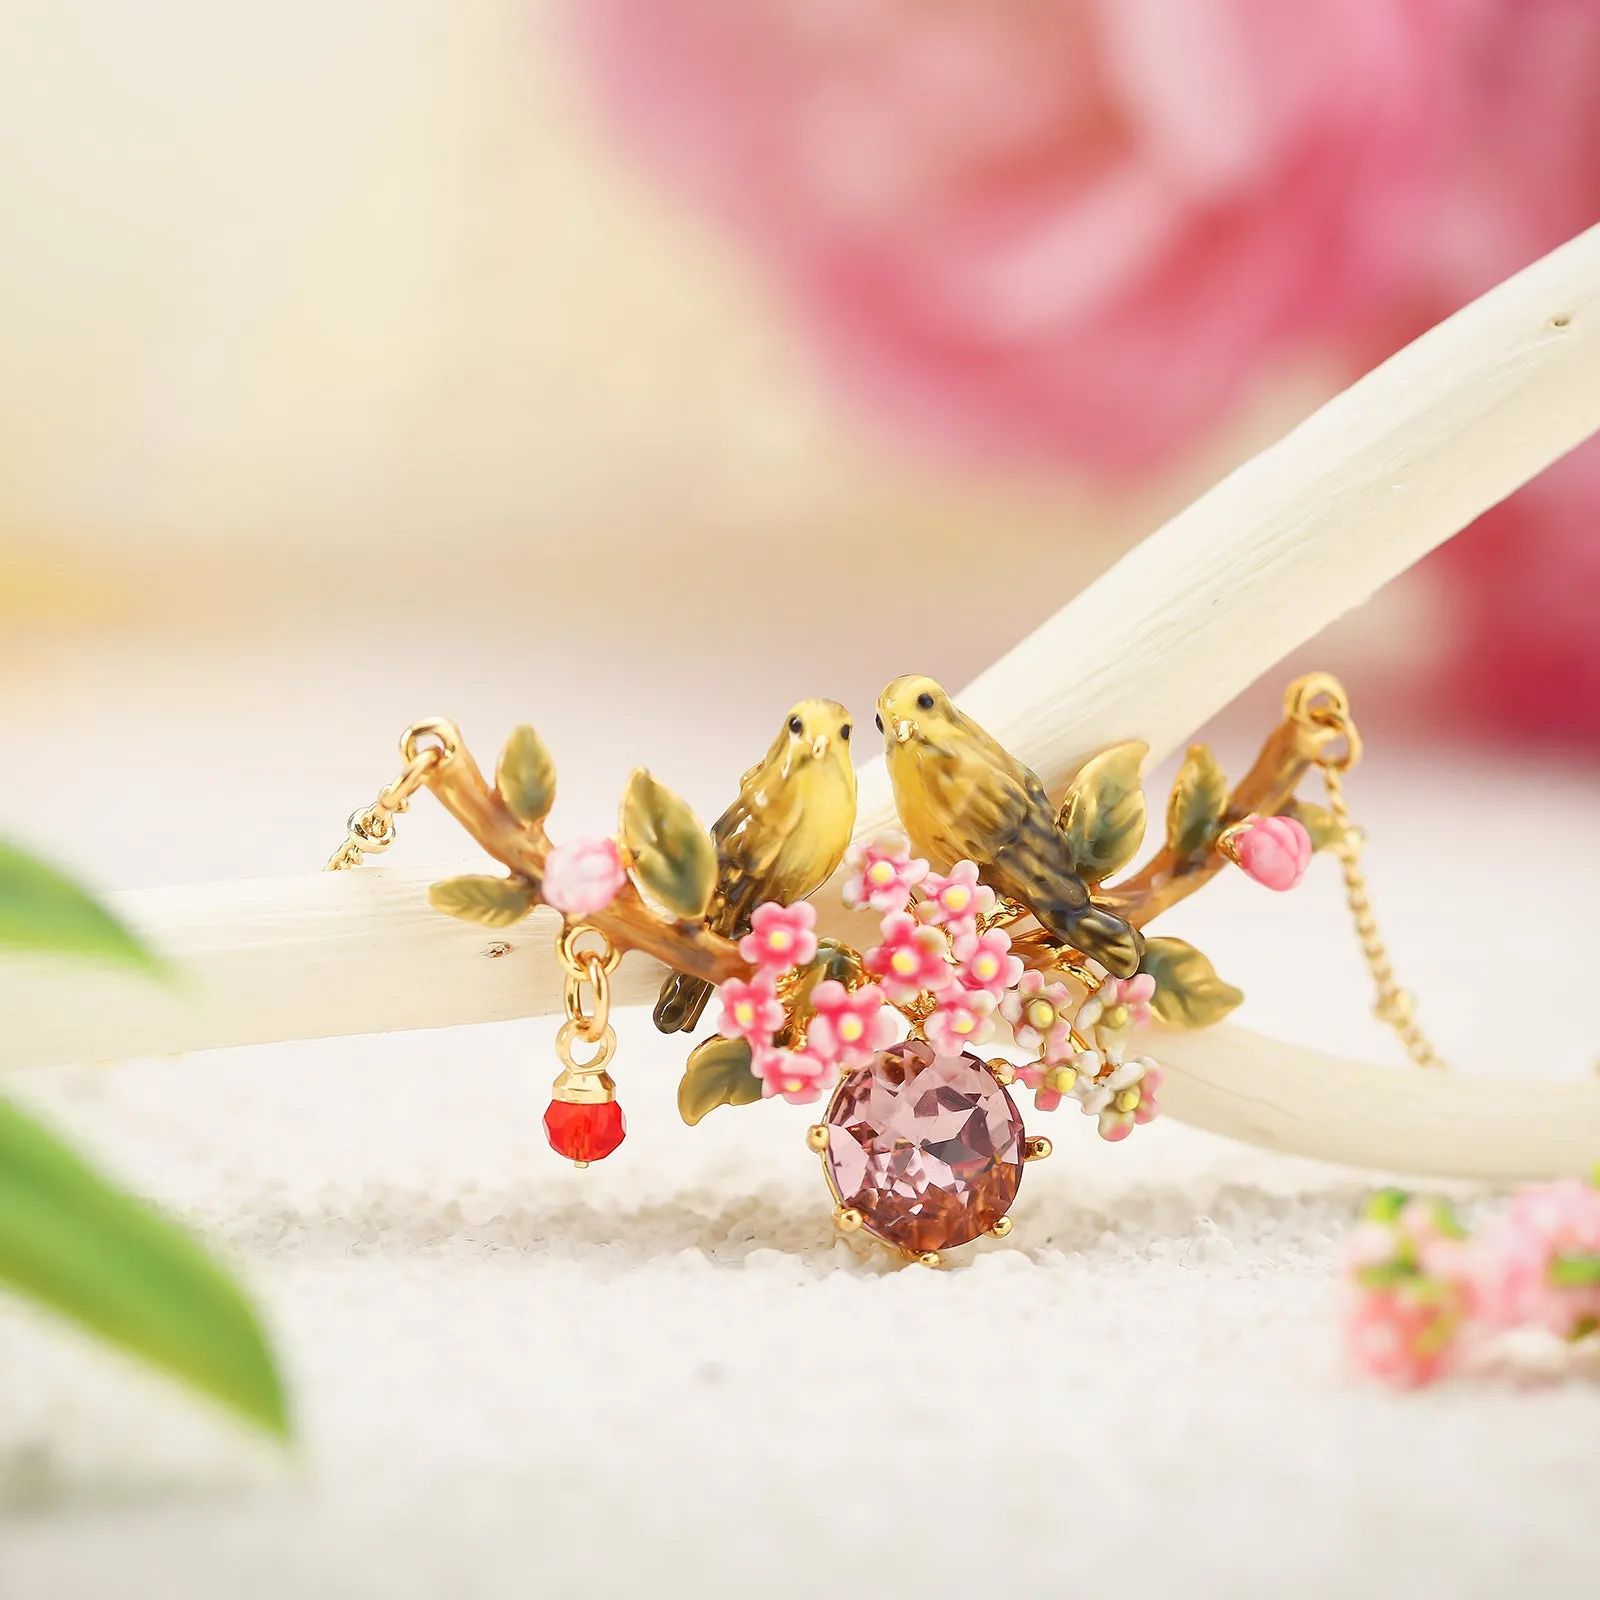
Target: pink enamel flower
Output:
[(984, 962), (882, 873), (799, 1076), (955, 901), (1040, 1015), (848, 1027), (1119, 1003), (1275, 851), (780, 937), (1148, 1109), (964, 1017), (750, 1010), (583, 876), (910, 959)]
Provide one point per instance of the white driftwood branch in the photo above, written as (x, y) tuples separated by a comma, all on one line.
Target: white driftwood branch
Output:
[(1290, 541)]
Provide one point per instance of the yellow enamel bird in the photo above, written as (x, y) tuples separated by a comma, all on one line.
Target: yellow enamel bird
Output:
[(779, 840), (963, 797)]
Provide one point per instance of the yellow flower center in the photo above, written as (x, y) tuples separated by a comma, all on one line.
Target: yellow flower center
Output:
[(986, 966), (957, 898), (1041, 1014), (903, 962), (744, 1013), (881, 872), (779, 939), (1116, 1017), (962, 1024), (851, 1029)]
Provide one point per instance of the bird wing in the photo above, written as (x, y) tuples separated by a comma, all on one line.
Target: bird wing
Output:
[(749, 836)]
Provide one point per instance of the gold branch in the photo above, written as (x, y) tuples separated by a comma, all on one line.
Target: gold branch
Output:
[(461, 788)]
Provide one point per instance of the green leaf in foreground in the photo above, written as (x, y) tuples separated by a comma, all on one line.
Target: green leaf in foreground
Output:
[(42, 910), (77, 1244)]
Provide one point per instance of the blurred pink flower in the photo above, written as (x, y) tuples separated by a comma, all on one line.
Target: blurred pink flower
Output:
[(1069, 229), (1075, 233)]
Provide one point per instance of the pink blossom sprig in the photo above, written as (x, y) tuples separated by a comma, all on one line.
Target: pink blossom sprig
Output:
[(1421, 1293), (1406, 1298)]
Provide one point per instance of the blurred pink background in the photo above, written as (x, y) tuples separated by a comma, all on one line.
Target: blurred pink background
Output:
[(387, 359), (1073, 234)]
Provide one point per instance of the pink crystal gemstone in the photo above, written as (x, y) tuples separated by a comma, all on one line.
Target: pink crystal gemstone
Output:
[(927, 1147)]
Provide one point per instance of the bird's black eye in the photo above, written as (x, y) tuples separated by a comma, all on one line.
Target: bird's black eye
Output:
[(844, 733), (879, 721), (796, 725), (925, 701)]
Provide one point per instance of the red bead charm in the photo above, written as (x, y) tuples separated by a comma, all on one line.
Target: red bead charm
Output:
[(584, 1131)]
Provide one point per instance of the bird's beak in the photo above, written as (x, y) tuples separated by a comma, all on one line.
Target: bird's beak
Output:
[(819, 747), (904, 729)]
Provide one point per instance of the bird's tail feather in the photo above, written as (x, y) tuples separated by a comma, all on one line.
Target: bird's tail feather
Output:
[(1116, 944), (682, 1000)]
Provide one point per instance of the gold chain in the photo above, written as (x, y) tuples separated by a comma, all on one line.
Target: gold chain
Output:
[(371, 829), (592, 966), (1322, 701)]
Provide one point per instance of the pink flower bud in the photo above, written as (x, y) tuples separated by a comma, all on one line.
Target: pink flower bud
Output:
[(1275, 851), (583, 876)]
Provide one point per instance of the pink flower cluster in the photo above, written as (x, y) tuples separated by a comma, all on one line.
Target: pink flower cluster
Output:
[(846, 1027), (937, 947), (1420, 1292)]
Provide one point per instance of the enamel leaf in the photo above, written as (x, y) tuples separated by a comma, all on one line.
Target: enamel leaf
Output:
[(1189, 994), (526, 776), (718, 1074), (1103, 815), (1199, 798), (490, 902), (673, 858)]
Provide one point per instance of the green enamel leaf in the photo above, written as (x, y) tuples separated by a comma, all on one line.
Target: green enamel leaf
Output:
[(42, 910), (674, 860), (75, 1243), (1318, 821), (1103, 814), (1189, 994), (526, 776), (490, 902), (718, 1074), (1199, 798)]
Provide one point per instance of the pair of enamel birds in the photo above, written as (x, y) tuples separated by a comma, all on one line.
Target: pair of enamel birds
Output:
[(960, 795)]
